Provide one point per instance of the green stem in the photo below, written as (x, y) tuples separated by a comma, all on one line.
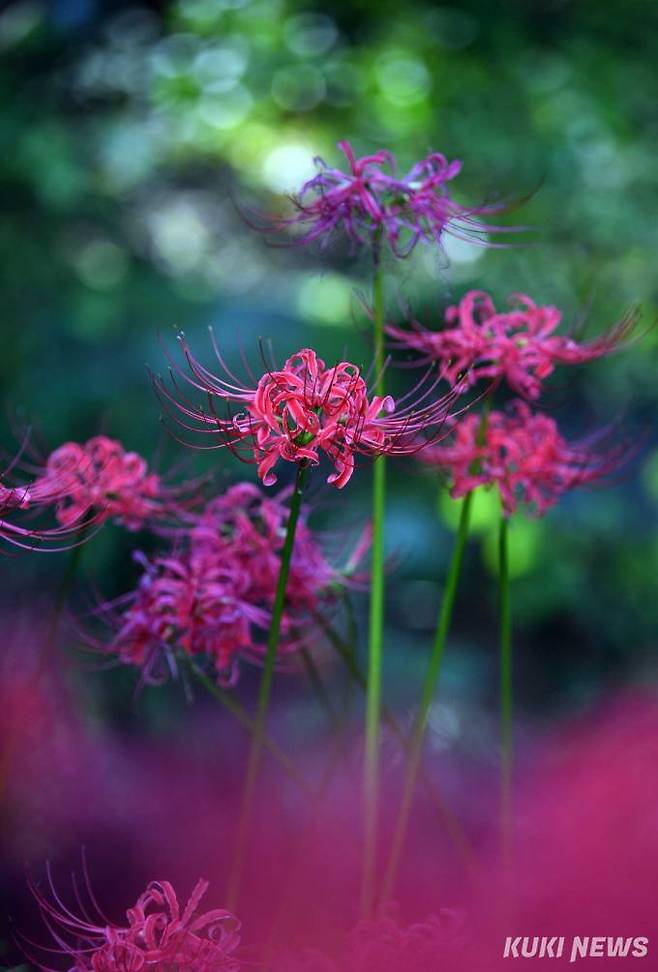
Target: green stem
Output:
[(255, 753), (506, 695), (376, 627), (427, 697), (242, 716)]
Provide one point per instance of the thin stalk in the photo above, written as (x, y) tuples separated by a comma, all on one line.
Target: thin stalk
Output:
[(265, 691), (506, 694), (427, 697), (376, 627), (242, 716)]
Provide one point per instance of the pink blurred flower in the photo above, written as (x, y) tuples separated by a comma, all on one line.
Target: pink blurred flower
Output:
[(156, 936), (523, 454), (211, 596), (372, 205), (99, 477), (518, 345), (304, 409)]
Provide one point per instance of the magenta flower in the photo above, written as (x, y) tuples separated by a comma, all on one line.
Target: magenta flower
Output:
[(518, 345), (100, 480), (373, 205), (211, 597), (523, 453), (304, 409), (156, 934)]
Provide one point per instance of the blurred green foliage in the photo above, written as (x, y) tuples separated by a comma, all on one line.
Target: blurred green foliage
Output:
[(134, 138)]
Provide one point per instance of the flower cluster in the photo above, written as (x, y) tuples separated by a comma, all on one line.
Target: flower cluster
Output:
[(211, 596), (372, 204), (100, 479), (297, 412), (518, 345), (524, 454), (157, 935), (83, 485)]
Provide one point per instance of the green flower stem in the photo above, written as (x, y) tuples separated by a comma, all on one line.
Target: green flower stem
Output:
[(506, 695), (255, 753), (239, 712), (376, 627), (427, 696)]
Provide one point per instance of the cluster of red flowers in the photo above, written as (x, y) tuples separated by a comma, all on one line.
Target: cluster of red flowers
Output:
[(520, 451), (210, 598), (523, 454), (156, 935), (85, 484), (518, 346)]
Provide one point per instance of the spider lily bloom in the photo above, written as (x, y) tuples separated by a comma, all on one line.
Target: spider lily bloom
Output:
[(523, 453), (371, 204), (22, 533), (156, 934), (304, 409), (100, 479), (212, 598), (518, 345)]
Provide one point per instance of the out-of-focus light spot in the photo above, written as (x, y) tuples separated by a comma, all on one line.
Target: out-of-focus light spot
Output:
[(288, 166), (218, 68), (485, 510), (179, 235), (326, 300), (101, 264), (236, 269), (526, 539), (458, 250), (403, 79), (225, 110), (128, 152), (298, 88), (18, 22), (174, 55), (310, 34)]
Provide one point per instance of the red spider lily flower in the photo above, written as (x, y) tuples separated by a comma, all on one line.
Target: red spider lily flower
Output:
[(100, 479), (211, 598), (523, 453), (372, 205), (518, 345), (13, 502), (304, 409), (156, 935)]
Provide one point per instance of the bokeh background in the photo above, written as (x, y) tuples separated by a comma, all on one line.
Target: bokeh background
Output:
[(134, 137)]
